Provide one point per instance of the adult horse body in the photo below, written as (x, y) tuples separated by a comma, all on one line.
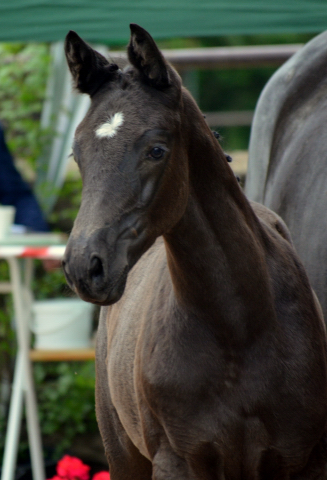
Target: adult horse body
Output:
[(211, 352), (287, 155)]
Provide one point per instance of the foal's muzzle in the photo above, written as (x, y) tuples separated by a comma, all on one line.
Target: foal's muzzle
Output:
[(95, 268)]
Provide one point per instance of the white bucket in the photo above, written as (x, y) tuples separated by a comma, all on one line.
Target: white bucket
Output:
[(62, 324)]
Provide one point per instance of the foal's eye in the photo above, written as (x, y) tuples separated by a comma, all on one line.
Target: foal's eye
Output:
[(157, 153)]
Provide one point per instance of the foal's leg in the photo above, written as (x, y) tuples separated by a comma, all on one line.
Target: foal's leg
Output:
[(168, 465), (125, 460)]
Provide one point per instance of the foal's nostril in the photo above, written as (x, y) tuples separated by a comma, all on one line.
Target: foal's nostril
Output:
[(96, 267)]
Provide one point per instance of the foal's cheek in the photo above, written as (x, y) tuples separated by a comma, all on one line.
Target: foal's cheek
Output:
[(150, 180), (148, 191)]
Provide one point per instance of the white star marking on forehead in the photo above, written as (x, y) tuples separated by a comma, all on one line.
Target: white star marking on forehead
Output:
[(109, 129)]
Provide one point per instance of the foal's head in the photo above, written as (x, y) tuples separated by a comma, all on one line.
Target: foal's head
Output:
[(130, 149)]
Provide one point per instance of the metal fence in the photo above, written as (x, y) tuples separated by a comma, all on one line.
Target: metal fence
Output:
[(186, 60)]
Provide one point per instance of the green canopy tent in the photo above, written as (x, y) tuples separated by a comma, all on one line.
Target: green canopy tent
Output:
[(106, 22)]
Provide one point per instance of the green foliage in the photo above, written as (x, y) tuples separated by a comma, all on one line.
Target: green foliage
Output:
[(7, 337), (49, 284), (7, 350), (65, 394), (23, 76)]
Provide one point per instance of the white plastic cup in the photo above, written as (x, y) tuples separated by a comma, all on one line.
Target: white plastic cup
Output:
[(7, 214)]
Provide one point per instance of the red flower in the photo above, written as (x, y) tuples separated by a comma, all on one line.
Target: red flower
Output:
[(72, 468), (101, 476)]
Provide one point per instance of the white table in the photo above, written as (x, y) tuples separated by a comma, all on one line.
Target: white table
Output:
[(20, 251)]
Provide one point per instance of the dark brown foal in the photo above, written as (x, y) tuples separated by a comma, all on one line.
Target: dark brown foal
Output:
[(211, 351)]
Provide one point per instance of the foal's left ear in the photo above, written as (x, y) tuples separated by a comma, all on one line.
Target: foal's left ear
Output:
[(88, 67), (144, 54)]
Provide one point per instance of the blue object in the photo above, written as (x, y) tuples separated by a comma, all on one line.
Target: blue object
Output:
[(15, 191)]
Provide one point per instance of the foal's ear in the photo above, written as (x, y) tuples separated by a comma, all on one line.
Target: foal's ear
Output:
[(144, 54), (89, 68)]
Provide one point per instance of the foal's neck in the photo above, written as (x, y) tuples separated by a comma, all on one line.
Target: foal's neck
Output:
[(215, 253)]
